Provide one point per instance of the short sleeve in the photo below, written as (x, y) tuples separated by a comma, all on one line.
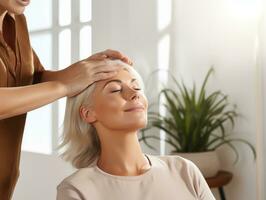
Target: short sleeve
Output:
[(38, 68), (201, 187), (67, 192)]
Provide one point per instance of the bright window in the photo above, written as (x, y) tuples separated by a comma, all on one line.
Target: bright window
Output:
[(60, 33)]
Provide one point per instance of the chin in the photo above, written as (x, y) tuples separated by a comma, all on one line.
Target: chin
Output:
[(16, 8), (136, 126), (18, 11), (127, 125)]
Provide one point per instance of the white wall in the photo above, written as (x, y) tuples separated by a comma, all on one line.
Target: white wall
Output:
[(208, 33)]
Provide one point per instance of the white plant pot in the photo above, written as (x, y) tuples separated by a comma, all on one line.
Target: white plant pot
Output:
[(208, 162)]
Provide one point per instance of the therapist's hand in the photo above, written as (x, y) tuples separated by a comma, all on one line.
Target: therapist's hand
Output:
[(111, 54), (80, 75)]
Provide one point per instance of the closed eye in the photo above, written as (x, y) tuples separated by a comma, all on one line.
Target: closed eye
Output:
[(113, 91)]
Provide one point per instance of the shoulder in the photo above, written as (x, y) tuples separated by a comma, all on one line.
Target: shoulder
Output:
[(189, 173), (79, 184), (83, 176), (182, 167), (174, 161)]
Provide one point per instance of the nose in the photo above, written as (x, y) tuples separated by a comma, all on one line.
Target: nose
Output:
[(134, 95), (130, 93)]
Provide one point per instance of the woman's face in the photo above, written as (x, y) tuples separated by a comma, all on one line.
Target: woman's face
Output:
[(119, 103), (14, 6)]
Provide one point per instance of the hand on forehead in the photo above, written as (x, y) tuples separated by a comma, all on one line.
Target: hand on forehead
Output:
[(123, 76)]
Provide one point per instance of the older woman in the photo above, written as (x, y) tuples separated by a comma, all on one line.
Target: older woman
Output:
[(100, 139)]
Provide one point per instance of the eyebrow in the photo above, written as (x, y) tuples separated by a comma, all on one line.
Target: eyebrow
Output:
[(118, 81)]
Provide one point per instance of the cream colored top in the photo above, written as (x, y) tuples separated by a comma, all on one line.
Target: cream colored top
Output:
[(169, 178)]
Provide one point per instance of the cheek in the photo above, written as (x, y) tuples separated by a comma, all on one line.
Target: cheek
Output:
[(108, 106), (109, 112)]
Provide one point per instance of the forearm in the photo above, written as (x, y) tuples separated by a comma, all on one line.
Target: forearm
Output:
[(53, 75), (18, 100)]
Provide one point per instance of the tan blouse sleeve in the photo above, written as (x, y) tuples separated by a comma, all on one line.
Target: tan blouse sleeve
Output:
[(200, 185), (67, 192), (38, 68)]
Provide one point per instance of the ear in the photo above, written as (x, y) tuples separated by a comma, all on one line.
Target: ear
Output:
[(87, 114)]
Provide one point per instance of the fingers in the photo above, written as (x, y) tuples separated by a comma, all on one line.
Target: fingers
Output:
[(98, 68), (127, 60), (104, 68), (103, 76), (112, 54), (102, 72), (97, 56), (94, 67)]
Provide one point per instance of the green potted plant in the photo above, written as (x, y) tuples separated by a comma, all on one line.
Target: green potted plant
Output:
[(195, 124)]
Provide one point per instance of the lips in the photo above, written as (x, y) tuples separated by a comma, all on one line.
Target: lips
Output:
[(135, 108), (23, 2)]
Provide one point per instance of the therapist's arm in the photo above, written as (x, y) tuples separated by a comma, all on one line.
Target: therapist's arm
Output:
[(94, 73), (18, 100), (54, 85)]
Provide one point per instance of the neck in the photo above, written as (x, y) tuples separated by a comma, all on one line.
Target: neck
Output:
[(121, 154), (3, 12)]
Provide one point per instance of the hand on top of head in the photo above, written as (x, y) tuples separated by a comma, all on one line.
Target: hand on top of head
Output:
[(82, 74), (111, 54)]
